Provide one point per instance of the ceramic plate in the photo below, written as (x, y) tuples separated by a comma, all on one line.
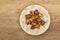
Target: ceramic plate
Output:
[(26, 27)]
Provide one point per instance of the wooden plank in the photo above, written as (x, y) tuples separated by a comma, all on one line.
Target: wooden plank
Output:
[(9, 19)]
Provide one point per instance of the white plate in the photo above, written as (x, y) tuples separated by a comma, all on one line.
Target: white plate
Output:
[(26, 28)]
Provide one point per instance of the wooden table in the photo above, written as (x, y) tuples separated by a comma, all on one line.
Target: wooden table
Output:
[(9, 19)]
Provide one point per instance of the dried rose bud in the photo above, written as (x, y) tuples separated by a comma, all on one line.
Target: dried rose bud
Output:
[(36, 12), (42, 22)]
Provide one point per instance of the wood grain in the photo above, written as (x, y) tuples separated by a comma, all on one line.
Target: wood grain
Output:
[(9, 19)]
